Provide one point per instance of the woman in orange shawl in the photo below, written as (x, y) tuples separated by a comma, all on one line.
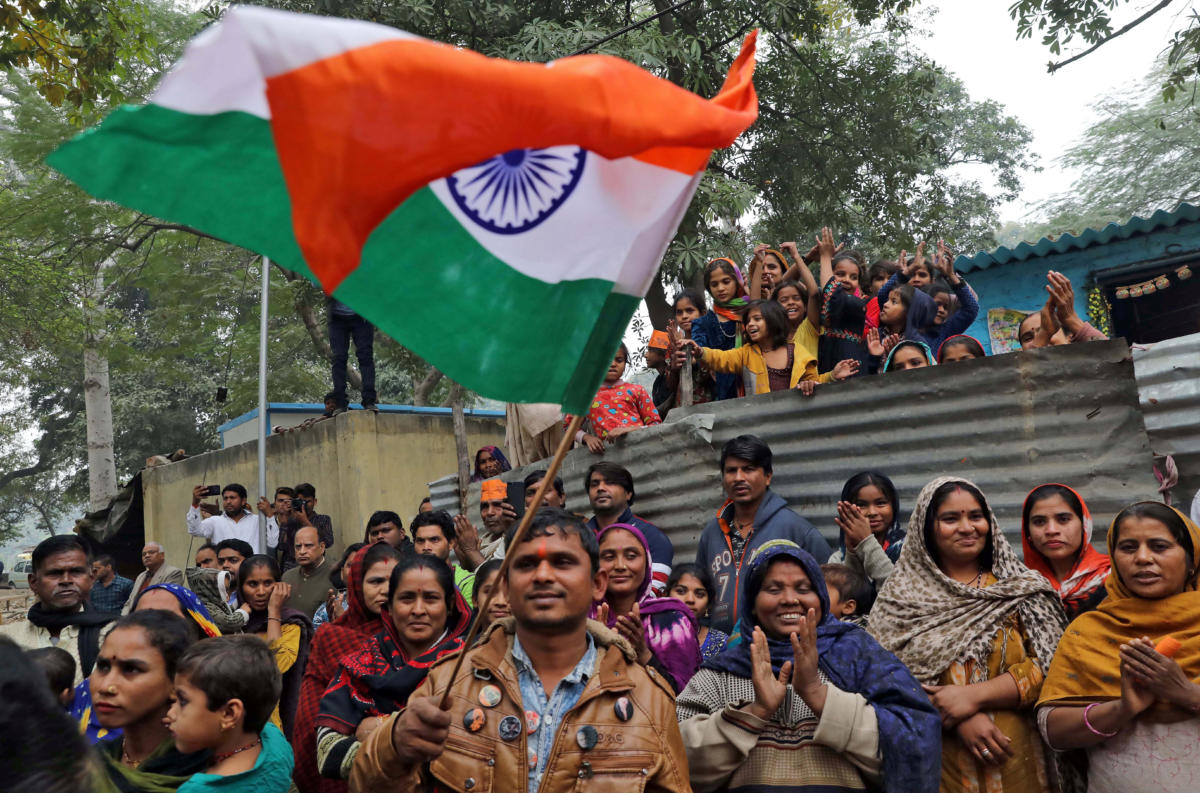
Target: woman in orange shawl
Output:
[(1122, 683), (1056, 537)]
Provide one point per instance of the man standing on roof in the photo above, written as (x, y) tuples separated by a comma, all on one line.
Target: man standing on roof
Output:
[(751, 515)]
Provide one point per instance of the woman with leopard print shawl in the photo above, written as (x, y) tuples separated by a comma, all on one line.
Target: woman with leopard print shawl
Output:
[(979, 629)]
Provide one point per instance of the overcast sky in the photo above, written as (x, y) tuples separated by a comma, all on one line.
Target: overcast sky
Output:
[(976, 40)]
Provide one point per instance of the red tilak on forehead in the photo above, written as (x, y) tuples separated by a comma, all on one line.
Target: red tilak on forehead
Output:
[(542, 549)]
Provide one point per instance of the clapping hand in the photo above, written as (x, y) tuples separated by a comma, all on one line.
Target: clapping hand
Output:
[(853, 523), (944, 261), (845, 369), (880, 347), (1158, 675)]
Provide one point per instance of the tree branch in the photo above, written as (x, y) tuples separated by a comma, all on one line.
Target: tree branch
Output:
[(425, 387), (1054, 67)]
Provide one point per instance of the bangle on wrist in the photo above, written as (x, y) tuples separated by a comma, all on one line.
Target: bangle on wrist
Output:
[(1093, 730), (276, 619)]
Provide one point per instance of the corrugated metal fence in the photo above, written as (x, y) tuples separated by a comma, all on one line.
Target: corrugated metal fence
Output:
[(1008, 422), (1168, 378)]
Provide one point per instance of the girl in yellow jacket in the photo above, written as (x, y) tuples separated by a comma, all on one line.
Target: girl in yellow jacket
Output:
[(769, 361)]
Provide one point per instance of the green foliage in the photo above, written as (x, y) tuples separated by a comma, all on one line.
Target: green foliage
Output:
[(1059, 22), (78, 54)]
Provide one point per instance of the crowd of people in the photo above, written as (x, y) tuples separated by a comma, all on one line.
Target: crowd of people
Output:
[(780, 328), (907, 656), (918, 655)]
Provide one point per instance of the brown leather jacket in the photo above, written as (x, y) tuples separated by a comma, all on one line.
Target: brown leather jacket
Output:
[(644, 753)]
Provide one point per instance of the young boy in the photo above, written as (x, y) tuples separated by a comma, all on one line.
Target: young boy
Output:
[(225, 690), (59, 667), (850, 594)]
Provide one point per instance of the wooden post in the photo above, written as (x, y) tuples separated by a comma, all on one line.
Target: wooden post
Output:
[(522, 528), (685, 374), (461, 450)]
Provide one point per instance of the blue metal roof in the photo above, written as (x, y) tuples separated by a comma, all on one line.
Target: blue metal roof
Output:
[(1161, 219)]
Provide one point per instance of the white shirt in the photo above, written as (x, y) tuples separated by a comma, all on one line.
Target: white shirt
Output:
[(222, 527)]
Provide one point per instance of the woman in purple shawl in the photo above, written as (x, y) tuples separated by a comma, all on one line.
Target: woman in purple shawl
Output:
[(662, 630)]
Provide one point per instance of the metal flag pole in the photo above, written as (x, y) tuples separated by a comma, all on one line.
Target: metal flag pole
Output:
[(263, 418), (564, 446)]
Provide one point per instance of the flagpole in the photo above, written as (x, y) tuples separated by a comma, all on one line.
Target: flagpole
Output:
[(522, 529), (263, 417)]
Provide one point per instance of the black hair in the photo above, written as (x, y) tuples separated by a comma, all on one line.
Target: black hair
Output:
[(750, 448), (287, 491), (207, 546), (613, 474), (241, 546), (941, 494), (1164, 515), (305, 490), (104, 559), (723, 264), (43, 747), (439, 517), (775, 318), (696, 296), (789, 283), (881, 267), (235, 488), (701, 574), (441, 570), (379, 552), (235, 667), (532, 480), (966, 341), (850, 585), (481, 575), (331, 396), (622, 349), (862, 479), (424, 501), (1043, 492), (380, 517), (252, 563), (855, 256), (1024, 319), (169, 633), (59, 543), (549, 518), (335, 575), (58, 666)]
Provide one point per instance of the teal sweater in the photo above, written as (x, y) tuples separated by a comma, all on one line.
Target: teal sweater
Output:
[(272, 772)]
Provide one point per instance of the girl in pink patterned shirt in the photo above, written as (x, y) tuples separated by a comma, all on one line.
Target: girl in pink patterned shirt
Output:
[(617, 408)]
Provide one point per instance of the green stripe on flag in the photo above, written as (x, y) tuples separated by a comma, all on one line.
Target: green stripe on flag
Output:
[(218, 174), (426, 282)]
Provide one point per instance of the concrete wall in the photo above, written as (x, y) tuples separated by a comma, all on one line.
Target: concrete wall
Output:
[(359, 462)]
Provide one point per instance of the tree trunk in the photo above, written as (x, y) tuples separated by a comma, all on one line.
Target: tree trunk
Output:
[(658, 305), (97, 400), (460, 446), (425, 387)]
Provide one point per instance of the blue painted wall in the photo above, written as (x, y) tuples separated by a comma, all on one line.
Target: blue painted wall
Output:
[(1021, 285)]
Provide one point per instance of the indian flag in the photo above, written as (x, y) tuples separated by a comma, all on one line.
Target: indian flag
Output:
[(500, 219)]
